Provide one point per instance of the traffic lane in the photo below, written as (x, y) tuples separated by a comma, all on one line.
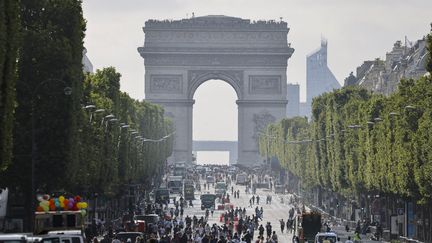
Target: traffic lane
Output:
[(272, 212)]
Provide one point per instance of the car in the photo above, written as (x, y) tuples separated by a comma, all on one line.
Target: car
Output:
[(151, 218), (13, 238), (124, 236), (327, 237), (72, 236)]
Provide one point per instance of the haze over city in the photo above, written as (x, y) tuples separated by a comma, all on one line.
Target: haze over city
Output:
[(204, 121), (356, 31)]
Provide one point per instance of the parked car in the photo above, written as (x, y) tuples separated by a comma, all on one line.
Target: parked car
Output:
[(72, 236), (13, 238)]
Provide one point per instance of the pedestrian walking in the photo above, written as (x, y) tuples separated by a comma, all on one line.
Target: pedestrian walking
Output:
[(261, 230), (268, 229), (274, 237), (282, 225)]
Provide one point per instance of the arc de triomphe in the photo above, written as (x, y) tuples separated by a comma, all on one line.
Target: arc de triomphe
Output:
[(252, 57)]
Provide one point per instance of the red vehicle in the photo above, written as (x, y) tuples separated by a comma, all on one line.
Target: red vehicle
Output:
[(140, 223)]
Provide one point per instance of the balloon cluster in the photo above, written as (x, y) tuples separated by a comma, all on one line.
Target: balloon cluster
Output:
[(46, 203)]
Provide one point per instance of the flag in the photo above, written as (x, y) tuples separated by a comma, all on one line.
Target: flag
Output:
[(3, 202)]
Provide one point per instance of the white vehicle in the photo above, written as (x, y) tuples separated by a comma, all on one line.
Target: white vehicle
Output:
[(175, 184), (179, 169), (13, 238), (70, 236), (241, 179), (327, 237)]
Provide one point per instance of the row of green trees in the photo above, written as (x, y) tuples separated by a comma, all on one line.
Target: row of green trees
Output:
[(359, 142), (132, 147), (58, 141), (9, 30)]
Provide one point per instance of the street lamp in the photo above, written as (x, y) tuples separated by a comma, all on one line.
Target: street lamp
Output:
[(67, 91), (90, 108), (378, 119), (99, 110), (410, 107)]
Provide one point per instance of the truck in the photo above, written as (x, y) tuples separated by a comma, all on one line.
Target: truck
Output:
[(162, 195), (279, 189), (175, 184), (58, 220), (307, 225), (208, 201), (188, 190), (220, 189)]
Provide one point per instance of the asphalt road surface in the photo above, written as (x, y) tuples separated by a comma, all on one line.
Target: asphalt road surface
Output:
[(273, 212)]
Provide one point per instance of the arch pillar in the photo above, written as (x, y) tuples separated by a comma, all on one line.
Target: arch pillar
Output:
[(180, 112)]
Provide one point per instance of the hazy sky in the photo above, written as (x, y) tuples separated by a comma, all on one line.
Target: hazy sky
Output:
[(356, 31)]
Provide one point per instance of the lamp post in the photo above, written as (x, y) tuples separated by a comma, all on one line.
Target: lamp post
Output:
[(67, 91)]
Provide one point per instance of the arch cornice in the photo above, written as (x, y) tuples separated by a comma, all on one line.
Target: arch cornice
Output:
[(232, 77)]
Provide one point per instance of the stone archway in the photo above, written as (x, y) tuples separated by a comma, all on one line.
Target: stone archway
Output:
[(252, 57)]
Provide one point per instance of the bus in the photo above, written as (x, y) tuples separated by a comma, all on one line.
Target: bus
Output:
[(188, 190), (175, 184), (179, 169)]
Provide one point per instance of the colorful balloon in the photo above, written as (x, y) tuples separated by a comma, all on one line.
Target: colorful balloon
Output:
[(61, 198), (84, 205), (45, 208)]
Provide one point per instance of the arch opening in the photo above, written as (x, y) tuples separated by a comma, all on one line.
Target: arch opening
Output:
[(215, 122)]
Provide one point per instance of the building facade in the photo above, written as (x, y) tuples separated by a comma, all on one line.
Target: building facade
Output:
[(403, 61)]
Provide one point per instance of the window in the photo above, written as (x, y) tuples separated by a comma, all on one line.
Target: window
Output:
[(76, 240)]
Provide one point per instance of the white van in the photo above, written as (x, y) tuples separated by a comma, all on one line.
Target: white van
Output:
[(13, 238), (328, 237), (63, 236)]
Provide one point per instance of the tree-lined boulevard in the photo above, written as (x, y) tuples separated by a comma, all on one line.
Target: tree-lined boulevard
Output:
[(77, 152)]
